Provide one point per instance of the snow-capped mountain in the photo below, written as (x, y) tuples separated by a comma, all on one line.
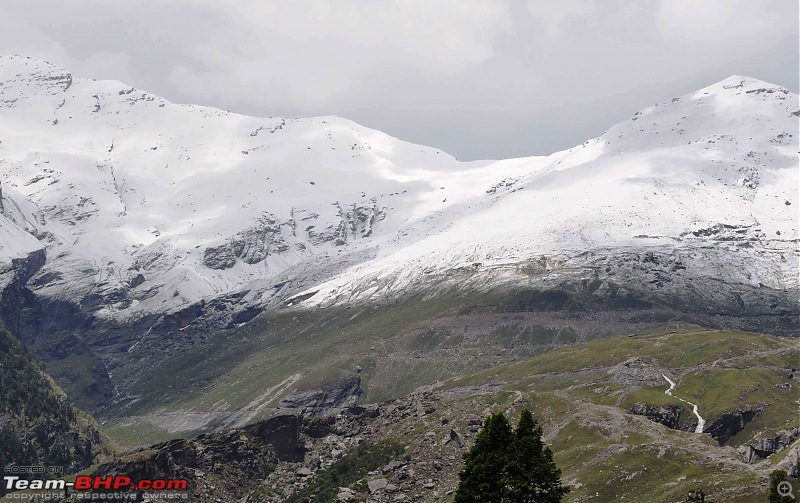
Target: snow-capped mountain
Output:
[(710, 179), (149, 206), (142, 213)]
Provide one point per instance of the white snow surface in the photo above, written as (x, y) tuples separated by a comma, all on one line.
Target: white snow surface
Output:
[(115, 183), (15, 242)]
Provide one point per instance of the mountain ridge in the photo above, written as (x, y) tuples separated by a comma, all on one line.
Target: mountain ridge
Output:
[(164, 223)]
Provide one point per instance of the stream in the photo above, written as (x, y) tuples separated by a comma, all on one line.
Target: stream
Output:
[(701, 423)]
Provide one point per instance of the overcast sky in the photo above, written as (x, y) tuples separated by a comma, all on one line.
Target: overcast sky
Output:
[(478, 79)]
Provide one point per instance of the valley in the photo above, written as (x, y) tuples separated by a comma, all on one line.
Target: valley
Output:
[(601, 404), (275, 308)]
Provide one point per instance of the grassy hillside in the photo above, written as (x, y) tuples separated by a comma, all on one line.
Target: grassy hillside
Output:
[(583, 395), (607, 453), (604, 449), (401, 346)]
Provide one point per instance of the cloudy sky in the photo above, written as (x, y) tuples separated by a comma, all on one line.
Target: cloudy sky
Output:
[(476, 78)]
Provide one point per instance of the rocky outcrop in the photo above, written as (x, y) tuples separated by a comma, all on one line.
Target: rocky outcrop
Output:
[(791, 463), (423, 469), (26, 267), (252, 245), (219, 257), (669, 415), (332, 398), (354, 221), (361, 219), (322, 426), (765, 447), (639, 371), (265, 238), (672, 416), (727, 425), (281, 433), (224, 464)]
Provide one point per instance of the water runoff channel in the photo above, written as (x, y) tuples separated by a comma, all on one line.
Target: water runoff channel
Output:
[(701, 423)]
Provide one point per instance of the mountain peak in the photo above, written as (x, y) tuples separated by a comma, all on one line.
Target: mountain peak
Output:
[(24, 77), (17, 64), (174, 220), (743, 83)]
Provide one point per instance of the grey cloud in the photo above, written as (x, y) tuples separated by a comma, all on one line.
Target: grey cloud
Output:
[(479, 79)]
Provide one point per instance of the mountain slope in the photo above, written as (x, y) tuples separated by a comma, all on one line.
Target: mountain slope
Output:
[(597, 403), (710, 177), (583, 396), (155, 198), (37, 425), (162, 225), (195, 199)]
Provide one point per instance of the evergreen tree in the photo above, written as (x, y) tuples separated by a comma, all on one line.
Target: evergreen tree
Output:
[(506, 466), (775, 496), (533, 475), (486, 463)]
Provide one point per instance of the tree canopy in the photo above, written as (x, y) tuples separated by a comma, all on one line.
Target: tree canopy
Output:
[(505, 465), (776, 495)]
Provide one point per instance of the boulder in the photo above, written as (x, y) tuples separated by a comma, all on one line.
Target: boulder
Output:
[(377, 485), (455, 437), (748, 454)]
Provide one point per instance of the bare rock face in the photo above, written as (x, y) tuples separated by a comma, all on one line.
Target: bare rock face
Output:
[(331, 399), (319, 427), (353, 222), (222, 464), (791, 463), (281, 433), (361, 219), (765, 447), (267, 236), (669, 416), (748, 454), (219, 257), (730, 423), (26, 267), (261, 240)]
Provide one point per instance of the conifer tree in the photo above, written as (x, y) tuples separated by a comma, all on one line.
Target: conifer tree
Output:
[(485, 464), (776, 479), (505, 466), (533, 475)]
